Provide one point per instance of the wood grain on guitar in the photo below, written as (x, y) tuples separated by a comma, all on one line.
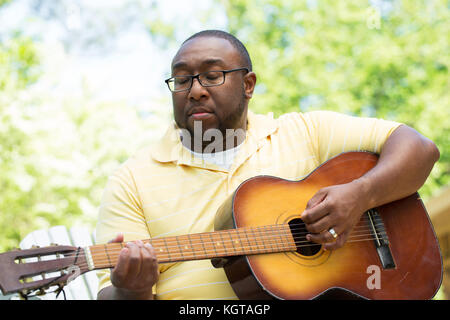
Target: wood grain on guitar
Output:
[(260, 242)]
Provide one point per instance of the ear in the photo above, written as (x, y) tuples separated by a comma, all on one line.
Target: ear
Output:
[(249, 84)]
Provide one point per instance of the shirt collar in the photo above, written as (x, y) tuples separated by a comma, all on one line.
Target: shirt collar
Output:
[(170, 149)]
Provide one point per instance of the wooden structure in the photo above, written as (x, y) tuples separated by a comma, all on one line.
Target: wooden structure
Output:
[(438, 208)]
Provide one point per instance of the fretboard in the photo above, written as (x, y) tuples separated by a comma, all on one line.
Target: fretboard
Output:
[(207, 245)]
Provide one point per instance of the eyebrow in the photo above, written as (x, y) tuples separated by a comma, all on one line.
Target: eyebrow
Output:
[(208, 62)]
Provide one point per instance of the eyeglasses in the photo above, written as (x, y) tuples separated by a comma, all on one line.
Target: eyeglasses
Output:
[(206, 79)]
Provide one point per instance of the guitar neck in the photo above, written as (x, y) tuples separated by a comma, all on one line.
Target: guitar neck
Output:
[(207, 245)]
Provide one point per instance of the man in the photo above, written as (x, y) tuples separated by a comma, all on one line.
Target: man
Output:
[(176, 186)]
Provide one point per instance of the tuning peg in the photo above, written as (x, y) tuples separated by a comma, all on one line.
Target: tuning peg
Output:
[(54, 244), (34, 246)]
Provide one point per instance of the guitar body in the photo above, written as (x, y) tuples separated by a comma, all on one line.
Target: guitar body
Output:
[(353, 271)]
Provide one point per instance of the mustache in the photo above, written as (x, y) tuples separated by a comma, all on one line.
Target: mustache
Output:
[(198, 108)]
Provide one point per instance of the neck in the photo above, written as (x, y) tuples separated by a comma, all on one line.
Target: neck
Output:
[(212, 140), (208, 245)]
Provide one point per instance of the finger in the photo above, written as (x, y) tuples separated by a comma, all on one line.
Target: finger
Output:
[(149, 269), (313, 214), (340, 241), (320, 225), (118, 238), (318, 197), (323, 237), (120, 271), (134, 263)]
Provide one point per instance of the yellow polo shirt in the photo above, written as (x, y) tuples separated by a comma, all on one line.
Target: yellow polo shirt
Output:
[(164, 191)]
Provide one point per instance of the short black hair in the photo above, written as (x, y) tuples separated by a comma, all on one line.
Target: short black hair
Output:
[(235, 42)]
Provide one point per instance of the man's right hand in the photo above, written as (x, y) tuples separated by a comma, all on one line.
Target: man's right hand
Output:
[(135, 273)]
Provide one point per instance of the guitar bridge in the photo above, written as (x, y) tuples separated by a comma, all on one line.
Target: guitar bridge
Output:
[(381, 240)]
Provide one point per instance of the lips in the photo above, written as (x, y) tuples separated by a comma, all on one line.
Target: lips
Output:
[(199, 111)]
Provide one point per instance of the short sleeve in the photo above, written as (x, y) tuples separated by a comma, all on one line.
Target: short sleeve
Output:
[(333, 133), (120, 212)]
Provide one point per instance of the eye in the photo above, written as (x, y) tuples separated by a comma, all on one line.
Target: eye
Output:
[(181, 80), (213, 75)]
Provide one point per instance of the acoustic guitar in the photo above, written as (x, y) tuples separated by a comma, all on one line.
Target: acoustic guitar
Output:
[(259, 240)]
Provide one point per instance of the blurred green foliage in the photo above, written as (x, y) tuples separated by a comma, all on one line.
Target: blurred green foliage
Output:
[(390, 62), (56, 153)]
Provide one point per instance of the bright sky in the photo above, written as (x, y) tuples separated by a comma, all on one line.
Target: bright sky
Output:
[(131, 69)]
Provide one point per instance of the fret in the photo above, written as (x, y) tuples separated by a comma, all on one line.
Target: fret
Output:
[(282, 242), (248, 246), (160, 248), (213, 244), (275, 238), (100, 255), (179, 247), (288, 238), (223, 243), (203, 245), (238, 242), (230, 234), (285, 234), (176, 250), (167, 249), (258, 244), (266, 239), (107, 255), (192, 246), (191, 250), (282, 239), (207, 245)]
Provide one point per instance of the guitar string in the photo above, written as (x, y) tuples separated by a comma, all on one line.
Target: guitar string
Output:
[(293, 227), (104, 263), (250, 249), (256, 251), (359, 232), (283, 227), (354, 232)]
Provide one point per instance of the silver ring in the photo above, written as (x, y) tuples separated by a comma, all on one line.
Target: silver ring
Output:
[(333, 233)]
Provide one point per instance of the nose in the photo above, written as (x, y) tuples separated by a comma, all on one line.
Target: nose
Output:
[(197, 90)]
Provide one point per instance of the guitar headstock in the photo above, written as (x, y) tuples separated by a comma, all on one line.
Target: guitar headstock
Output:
[(26, 271)]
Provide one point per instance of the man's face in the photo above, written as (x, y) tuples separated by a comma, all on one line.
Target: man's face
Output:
[(221, 107)]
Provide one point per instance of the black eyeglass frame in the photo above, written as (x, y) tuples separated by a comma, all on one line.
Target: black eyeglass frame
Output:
[(197, 76)]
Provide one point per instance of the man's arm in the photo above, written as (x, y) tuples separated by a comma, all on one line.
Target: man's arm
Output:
[(404, 164), (403, 167)]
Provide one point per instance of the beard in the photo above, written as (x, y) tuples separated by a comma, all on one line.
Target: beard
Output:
[(234, 120), (195, 137)]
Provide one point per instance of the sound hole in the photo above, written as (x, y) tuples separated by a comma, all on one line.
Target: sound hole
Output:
[(299, 232)]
